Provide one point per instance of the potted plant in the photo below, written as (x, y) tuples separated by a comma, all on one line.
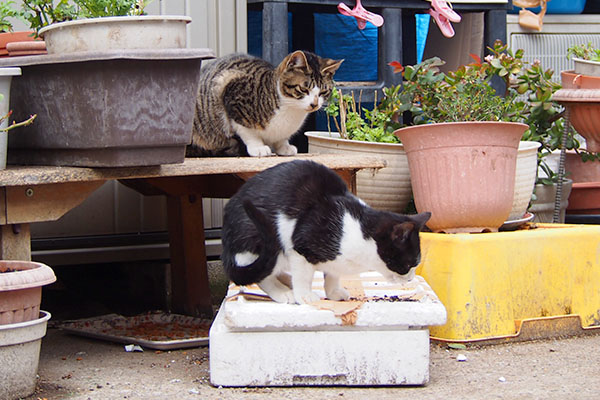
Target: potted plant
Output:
[(97, 25), (129, 105), (10, 38), (449, 105), (586, 59), (359, 130)]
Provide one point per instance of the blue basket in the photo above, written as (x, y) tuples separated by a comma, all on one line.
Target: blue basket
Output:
[(559, 7)]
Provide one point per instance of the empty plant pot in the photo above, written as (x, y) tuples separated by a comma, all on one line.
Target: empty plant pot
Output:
[(20, 345), (581, 95), (105, 109), (21, 290), (463, 172), (584, 198), (580, 171), (544, 204)]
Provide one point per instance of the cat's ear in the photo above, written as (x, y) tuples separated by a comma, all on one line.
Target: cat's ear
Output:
[(330, 66), (421, 219), (296, 59), (401, 231)]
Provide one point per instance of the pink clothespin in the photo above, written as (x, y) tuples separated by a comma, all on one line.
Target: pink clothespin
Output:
[(361, 15), (443, 14)]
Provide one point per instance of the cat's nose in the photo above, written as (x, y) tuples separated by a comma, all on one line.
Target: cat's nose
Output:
[(314, 105)]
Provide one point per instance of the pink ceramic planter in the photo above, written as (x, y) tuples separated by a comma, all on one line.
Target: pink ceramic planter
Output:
[(581, 94), (21, 290), (584, 198), (463, 172)]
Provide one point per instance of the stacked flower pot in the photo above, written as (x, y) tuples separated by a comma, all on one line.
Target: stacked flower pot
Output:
[(580, 94), (22, 325)]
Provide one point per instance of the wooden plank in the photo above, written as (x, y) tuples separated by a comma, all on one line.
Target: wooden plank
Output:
[(39, 175), (218, 186), (189, 272), (2, 206), (15, 242), (350, 178), (45, 202)]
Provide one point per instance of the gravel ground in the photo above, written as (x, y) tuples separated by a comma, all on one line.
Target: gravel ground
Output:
[(73, 367)]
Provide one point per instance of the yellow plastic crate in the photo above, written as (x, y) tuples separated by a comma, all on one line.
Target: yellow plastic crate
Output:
[(491, 283)]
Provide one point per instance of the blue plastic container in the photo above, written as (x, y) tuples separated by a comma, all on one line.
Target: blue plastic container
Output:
[(559, 7)]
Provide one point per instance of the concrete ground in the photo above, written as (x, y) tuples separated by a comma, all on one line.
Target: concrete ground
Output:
[(78, 368)]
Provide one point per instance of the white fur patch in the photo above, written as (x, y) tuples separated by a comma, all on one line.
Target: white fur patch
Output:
[(244, 259), (285, 227), (287, 120), (357, 253)]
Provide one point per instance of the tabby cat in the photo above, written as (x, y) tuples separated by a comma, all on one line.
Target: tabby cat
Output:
[(298, 217), (246, 106)]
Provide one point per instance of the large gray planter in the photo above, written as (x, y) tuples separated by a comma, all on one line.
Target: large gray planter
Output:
[(105, 109)]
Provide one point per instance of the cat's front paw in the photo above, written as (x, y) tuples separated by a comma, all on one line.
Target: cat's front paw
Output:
[(338, 294), (259, 151), (284, 296), (286, 149), (306, 298)]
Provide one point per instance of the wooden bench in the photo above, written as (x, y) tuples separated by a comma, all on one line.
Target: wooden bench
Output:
[(44, 193)]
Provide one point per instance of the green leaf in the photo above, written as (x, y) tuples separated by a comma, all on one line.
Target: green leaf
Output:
[(457, 346)]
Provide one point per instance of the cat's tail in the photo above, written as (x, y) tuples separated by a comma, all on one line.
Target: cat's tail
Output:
[(263, 265)]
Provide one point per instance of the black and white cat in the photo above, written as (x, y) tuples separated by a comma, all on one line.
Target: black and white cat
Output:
[(298, 217)]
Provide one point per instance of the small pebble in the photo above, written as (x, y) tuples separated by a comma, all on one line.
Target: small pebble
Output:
[(461, 357), (502, 379)]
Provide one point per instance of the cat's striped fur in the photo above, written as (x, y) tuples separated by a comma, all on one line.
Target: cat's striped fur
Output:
[(246, 106)]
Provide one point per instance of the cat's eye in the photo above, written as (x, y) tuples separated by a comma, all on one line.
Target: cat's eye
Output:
[(303, 89)]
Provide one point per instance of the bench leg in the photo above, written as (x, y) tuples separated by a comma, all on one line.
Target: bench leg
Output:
[(15, 242), (189, 274)]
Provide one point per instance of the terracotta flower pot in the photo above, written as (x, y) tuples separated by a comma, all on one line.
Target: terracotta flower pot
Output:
[(463, 172), (384, 189), (8, 37), (21, 290), (584, 198), (580, 171), (27, 48), (581, 95)]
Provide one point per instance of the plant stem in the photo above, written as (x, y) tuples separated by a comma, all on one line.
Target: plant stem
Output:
[(18, 124)]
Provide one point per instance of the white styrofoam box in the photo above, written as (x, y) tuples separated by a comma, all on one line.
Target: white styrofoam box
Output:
[(263, 343)]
